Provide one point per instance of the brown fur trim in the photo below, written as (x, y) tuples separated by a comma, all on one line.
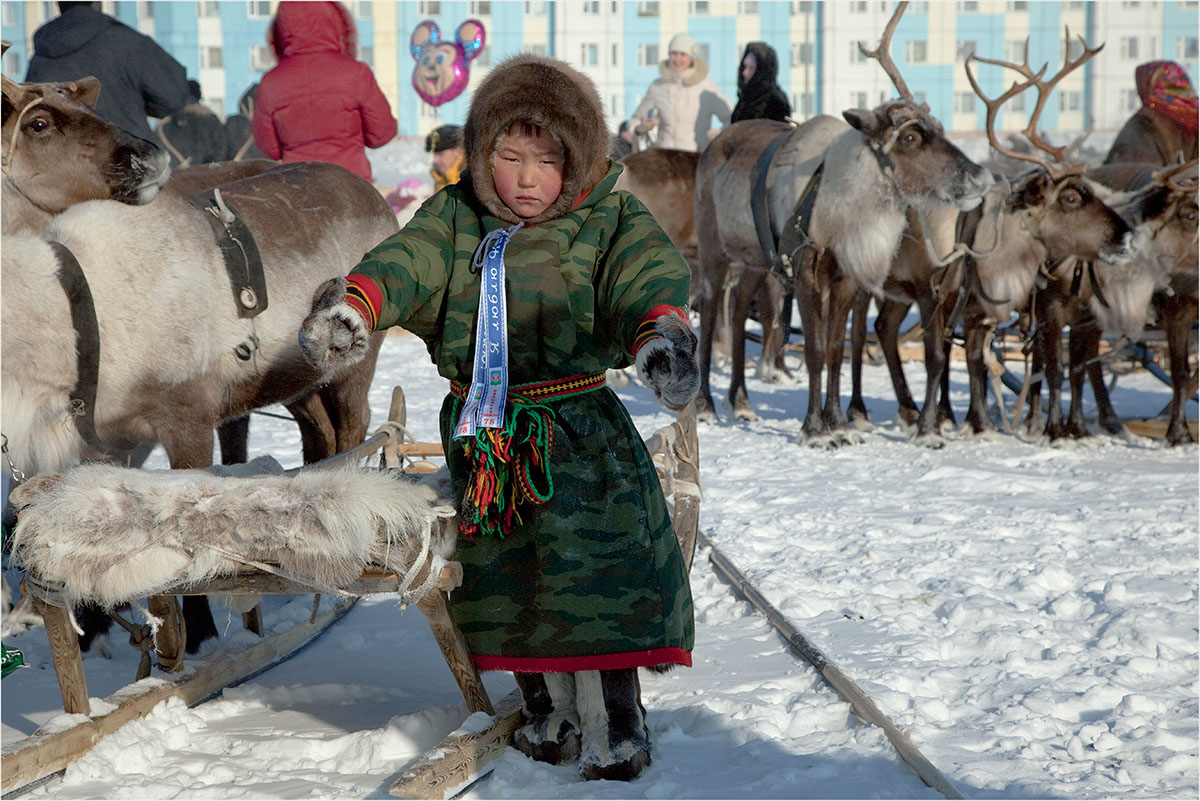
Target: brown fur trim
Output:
[(550, 94)]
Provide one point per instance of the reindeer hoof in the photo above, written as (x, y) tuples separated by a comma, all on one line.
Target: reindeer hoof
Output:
[(847, 436), (930, 440), (745, 414)]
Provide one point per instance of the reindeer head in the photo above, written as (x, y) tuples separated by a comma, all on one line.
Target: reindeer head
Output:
[(910, 145), (1166, 210), (1068, 213), (57, 152)]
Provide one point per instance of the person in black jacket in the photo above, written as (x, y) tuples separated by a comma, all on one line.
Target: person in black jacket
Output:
[(759, 96), (239, 141), (138, 79)]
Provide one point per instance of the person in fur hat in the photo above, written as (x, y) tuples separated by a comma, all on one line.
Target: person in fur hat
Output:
[(682, 103), (527, 280), (759, 95), (449, 158)]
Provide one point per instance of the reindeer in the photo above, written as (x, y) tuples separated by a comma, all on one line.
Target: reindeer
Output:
[(1046, 216), (836, 232), (56, 152), (1160, 282), (169, 334)]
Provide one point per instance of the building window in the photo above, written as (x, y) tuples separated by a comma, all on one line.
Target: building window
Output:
[(536, 49), (1018, 5), (484, 59), (1129, 47), (210, 57), (698, 7), (366, 54), (748, 7), (1185, 48), (589, 55), (802, 7), (615, 53), (1014, 50), (145, 10), (12, 61), (1070, 101), (537, 9), (210, 8), (481, 8), (10, 13), (1132, 101), (914, 51), (1017, 102), (591, 7), (858, 7), (856, 54), (648, 9), (858, 100), (968, 6), (647, 55), (963, 48), (429, 8), (363, 10), (258, 9), (964, 102), (261, 58), (920, 7), (427, 111), (802, 53)]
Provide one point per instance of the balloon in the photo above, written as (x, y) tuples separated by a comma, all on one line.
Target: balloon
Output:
[(441, 72)]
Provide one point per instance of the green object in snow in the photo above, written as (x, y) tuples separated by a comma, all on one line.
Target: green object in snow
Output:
[(12, 659)]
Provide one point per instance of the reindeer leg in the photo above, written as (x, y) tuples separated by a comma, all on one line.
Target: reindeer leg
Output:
[(887, 328), (234, 436), (808, 296), (977, 415), (1083, 342), (857, 410), (934, 320), (751, 281), (1051, 318), (841, 298), (345, 399), (1178, 314), (711, 291), (770, 299)]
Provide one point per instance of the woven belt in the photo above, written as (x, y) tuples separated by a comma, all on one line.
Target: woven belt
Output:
[(510, 466), (543, 390)]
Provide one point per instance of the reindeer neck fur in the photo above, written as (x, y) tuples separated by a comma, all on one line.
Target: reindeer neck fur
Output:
[(1007, 273), (859, 213), (19, 214)]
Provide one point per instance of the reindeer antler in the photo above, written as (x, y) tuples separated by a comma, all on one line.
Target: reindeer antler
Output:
[(1167, 177), (1044, 88), (884, 58)]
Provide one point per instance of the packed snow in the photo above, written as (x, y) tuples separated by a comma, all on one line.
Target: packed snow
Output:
[(1026, 613)]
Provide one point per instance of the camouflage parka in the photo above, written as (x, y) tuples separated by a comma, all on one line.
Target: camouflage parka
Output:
[(593, 579)]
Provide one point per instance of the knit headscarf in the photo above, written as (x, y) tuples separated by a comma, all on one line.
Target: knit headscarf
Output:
[(1164, 87)]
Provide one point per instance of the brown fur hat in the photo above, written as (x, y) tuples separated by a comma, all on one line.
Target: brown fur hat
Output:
[(552, 95)]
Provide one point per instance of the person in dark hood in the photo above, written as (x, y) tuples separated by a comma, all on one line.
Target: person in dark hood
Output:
[(319, 103), (194, 134), (759, 96), (138, 79)]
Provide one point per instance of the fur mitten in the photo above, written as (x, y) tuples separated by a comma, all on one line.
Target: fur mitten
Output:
[(667, 363), (333, 334)]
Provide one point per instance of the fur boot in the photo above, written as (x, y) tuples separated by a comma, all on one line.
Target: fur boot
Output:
[(616, 742), (551, 729)]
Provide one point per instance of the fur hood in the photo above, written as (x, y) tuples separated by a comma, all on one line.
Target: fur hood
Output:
[(690, 77), (552, 95)]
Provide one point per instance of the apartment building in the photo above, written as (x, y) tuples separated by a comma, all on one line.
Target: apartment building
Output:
[(620, 44)]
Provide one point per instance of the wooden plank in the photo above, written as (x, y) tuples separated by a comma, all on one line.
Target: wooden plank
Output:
[(40, 755), (68, 662), (1156, 428), (458, 759)]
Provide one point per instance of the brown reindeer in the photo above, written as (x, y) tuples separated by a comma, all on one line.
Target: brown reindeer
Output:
[(1046, 216), (1160, 283), (56, 152), (842, 236)]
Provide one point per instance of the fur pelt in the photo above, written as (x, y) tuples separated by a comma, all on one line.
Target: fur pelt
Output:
[(112, 534), (552, 95)]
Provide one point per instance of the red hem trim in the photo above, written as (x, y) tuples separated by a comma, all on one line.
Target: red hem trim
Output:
[(570, 664), (664, 308)]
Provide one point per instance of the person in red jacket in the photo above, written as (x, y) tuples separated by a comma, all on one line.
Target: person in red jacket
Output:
[(319, 103)]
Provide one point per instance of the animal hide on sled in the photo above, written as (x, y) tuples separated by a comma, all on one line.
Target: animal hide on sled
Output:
[(111, 534)]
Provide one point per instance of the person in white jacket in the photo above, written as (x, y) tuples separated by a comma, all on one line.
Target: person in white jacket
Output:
[(682, 103)]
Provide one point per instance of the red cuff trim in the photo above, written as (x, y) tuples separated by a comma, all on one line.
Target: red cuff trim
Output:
[(365, 297), (646, 329), (570, 664)]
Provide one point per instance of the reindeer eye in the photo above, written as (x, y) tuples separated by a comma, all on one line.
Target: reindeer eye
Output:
[(39, 124), (1070, 199), (911, 138)]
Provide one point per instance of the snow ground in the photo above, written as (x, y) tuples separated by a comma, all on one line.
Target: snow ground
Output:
[(1026, 613)]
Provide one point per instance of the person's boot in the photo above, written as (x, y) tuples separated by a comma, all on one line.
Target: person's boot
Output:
[(550, 732), (616, 742)]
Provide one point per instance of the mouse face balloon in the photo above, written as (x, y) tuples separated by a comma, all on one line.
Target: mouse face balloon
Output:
[(441, 72)]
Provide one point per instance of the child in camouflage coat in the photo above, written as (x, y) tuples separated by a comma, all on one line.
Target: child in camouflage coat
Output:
[(573, 577)]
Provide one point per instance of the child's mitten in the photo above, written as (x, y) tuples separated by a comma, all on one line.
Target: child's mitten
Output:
[(666, 362), (333, 334)]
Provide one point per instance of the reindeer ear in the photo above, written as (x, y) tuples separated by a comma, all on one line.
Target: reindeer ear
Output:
[(864, 119), (85, 91), (1029, 191)]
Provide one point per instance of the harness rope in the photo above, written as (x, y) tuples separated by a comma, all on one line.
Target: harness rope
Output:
[(162, 134)]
